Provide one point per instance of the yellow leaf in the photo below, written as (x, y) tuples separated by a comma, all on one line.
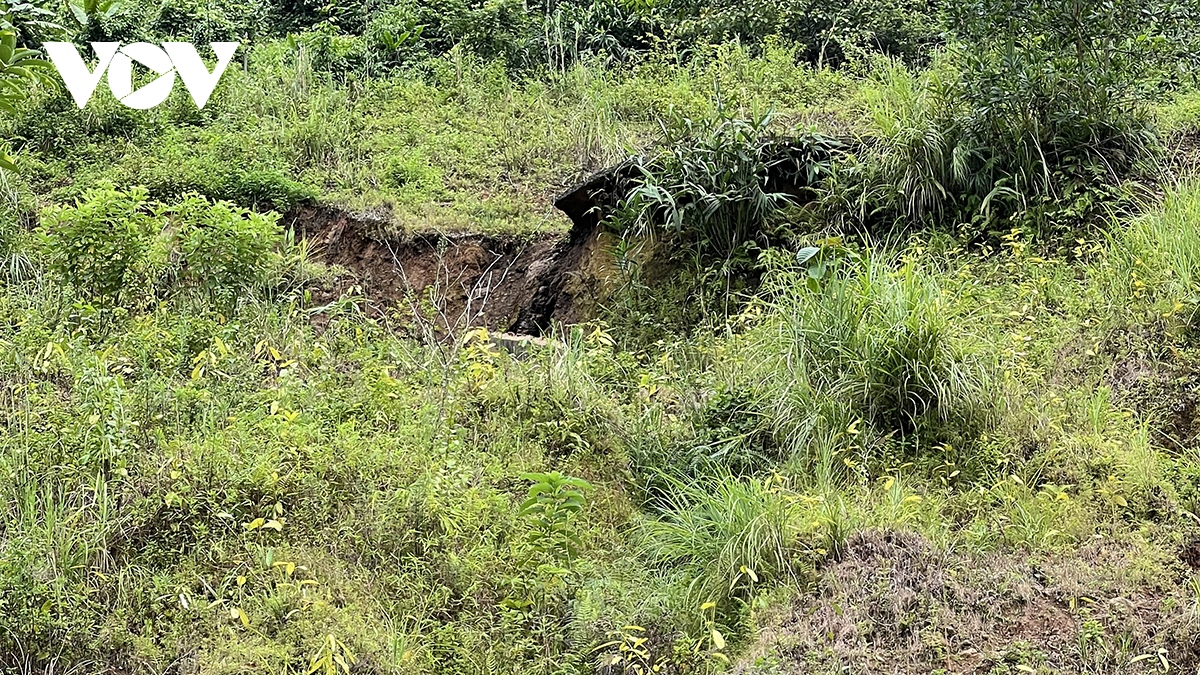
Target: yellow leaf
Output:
[(255, 524), (707, 606), (718, 639)]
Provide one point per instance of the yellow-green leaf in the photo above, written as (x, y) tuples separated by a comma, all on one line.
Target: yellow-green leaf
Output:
[(718, 639)]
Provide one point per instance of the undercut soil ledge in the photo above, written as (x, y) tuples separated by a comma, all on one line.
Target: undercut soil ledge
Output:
[(510, 283)]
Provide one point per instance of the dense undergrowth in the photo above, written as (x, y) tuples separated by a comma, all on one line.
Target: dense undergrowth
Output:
[(193, 483), (937, 358)]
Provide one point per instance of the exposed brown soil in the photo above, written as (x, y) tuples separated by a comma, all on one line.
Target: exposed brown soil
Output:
[(1190, 555), (449, 282), (895, 604)]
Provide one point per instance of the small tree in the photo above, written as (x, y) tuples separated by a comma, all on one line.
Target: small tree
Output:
[(218, 248), (97, 244)]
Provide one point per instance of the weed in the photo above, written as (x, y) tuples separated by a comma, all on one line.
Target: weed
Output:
[(554, 502), (728, 537)]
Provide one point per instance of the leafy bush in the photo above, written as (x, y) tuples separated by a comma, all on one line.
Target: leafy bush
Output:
[(202, 23), (52, 122), (98, 245), (217, 248), (829, 33), (491, 29)]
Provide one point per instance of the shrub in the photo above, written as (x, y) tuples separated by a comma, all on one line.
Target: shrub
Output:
[(53, 124), (1035, 116), (98, 244), (202, 24), (491, 29), (828, 33), (393, 37), (219, 249)]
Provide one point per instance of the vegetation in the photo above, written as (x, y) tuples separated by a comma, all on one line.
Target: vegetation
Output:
[(895, 367)]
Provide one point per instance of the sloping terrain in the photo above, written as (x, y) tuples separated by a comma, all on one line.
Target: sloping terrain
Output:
[(894, 603)]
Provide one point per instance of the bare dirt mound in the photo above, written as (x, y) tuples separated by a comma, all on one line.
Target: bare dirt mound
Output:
[(449, 281)]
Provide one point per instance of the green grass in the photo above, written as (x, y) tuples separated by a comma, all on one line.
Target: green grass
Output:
[(236, 488), (454, 145), (199, 472)]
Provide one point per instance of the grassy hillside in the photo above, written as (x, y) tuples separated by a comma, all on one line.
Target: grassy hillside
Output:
[(459, 144), (934, 409)]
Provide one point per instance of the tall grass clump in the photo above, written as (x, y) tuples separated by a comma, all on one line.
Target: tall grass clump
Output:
[(867, 342), (1036, 115), (1153, 265), (709, 196), (726, 536)]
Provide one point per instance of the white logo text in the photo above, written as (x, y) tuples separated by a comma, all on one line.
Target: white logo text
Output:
[(117, 61)]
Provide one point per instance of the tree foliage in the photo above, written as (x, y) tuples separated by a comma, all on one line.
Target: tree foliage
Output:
[(21, 67)]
